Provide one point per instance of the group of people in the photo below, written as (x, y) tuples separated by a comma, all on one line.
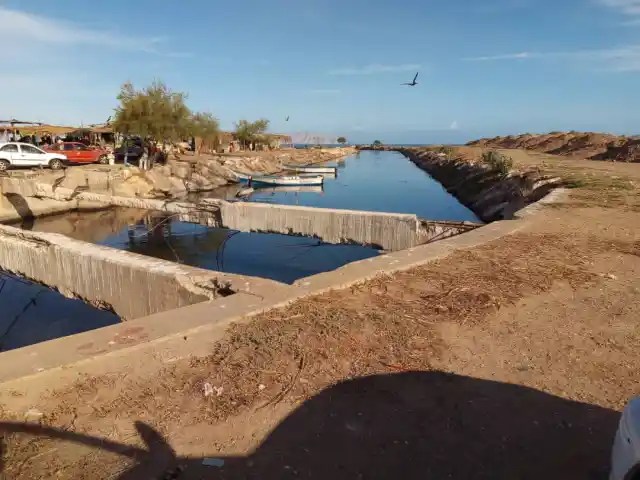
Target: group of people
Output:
[(36, 139)]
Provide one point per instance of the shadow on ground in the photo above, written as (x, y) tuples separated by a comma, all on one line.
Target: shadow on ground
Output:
[(416, 425)]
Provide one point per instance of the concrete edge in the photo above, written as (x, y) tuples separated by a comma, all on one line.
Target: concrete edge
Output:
[(554, 196)]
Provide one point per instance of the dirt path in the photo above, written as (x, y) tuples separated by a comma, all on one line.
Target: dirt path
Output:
[(510, 360)]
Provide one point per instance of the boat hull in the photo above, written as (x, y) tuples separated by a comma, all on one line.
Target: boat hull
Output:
[(288, 181), (281, 180), (310, 169)]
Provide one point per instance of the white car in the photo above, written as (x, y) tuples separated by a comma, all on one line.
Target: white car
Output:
[(17, 154), (625, 461)]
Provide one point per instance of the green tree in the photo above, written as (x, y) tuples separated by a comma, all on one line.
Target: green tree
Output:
[(206, 127), (341, 140), (377, 143), (248, 132), (155, 113)]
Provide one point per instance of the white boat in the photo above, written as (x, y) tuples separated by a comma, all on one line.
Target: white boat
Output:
[(286, 189), (310, 169), (285, 180)]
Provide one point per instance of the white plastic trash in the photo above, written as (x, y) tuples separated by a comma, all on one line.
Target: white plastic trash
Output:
[(625, 459)]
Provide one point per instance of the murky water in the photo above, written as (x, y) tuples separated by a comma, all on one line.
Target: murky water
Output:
[(380, 181)]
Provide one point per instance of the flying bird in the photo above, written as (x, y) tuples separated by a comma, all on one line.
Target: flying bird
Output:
[(286, 119), (414, 83)]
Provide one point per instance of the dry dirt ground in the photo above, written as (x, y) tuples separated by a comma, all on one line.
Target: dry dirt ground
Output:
[(507, 361)]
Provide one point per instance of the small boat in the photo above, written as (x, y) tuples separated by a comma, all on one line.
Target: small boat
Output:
[(310, 169), (285, 180), (245, 192)]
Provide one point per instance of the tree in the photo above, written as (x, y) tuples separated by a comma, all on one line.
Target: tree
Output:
[(377, 143), (341, 140), (248, 132), (206, 127), (155, 113)]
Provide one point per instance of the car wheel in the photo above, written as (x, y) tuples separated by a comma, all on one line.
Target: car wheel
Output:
[(55, 164), (103, 160), (4, 165)]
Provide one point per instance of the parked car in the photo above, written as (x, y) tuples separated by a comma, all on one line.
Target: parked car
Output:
[(625, 460), (133, 147), (79, 153), (16, 154)]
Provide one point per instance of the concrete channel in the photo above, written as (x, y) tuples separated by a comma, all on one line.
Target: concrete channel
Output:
[(134, 285), (188, 330)]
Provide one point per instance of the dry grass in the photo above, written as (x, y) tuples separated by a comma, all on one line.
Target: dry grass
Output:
[(382, 325)]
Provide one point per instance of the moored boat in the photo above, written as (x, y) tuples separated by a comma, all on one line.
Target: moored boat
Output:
[(281, 189), (285, 180), (310, 169)]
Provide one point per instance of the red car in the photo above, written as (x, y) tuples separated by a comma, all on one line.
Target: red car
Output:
[(79, 153)]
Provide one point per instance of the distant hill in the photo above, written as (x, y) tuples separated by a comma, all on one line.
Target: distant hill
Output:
[(595, 146)]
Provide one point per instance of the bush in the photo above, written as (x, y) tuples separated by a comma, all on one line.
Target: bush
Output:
[(497, 161), (448, 151)]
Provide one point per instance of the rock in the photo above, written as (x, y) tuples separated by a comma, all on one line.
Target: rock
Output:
[(33, 415), (198, 183), (178, 188), (180, 169), (134, 186), (159, 181)]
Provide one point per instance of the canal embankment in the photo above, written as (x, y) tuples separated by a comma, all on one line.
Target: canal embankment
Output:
[(176, 179), (491, 194)]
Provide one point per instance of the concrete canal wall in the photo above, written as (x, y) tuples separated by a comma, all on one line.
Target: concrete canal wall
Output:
[(131, 285), (387, 231)]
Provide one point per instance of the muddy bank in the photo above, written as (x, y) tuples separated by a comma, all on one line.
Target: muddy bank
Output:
[(490, 194)]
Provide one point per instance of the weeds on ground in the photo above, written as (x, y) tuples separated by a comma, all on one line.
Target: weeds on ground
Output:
[(497, 161), (448, 151)]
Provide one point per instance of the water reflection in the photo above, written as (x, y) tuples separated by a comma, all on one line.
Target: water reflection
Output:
[(279, 257), (32, 313)]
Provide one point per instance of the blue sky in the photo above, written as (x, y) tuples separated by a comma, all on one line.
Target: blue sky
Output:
[(487, 67)]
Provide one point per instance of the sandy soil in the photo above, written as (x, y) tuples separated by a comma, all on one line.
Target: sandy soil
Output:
[(574, 144), (511, 360)]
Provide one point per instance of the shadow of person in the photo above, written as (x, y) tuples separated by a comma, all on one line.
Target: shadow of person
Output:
[(414, 425)]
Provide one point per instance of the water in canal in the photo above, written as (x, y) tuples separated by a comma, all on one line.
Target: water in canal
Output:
[(382, 181), (32, 313), (372, 180)]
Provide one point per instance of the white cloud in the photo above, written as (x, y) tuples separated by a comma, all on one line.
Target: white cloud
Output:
[(35, 30), (45, 75), (324, 91), (376, 68), (44, 32), (626, 7), (454, 125), (616, 59), (508, 56)]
